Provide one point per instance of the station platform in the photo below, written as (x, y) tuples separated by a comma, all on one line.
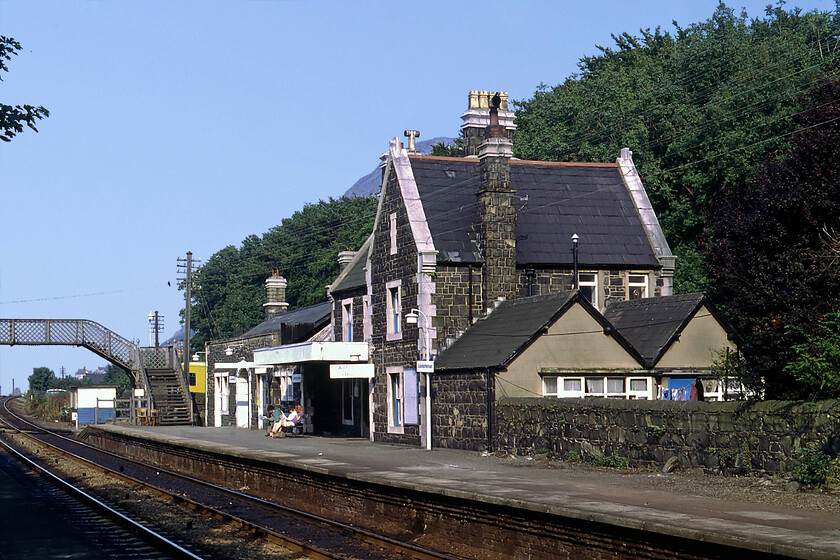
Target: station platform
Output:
[(613, 497)]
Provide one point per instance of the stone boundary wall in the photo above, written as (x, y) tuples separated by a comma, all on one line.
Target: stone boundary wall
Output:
[(746, 437)]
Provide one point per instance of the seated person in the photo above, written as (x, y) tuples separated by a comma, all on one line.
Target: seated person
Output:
[(273, 417), (290, 421)]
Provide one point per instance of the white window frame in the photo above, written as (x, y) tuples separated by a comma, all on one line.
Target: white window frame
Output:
[(644, 285), (396, 400), (593, 284), (224, 393), (637, 394), (393, 308), (574, 386), (367, 328), (393, 232), (347, 320), (284, 376)]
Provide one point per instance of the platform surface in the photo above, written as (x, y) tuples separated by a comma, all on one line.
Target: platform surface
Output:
[(798, 533)]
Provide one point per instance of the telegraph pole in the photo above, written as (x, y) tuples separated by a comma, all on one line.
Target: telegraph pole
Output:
[(185, 267)]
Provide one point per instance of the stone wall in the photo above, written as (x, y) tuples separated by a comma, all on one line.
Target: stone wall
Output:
[(456, 299), (243, 349), (392, 351), (726, 436), (459, 411)]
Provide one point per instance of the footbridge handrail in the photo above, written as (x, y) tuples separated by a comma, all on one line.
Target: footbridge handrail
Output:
[(70, 332)]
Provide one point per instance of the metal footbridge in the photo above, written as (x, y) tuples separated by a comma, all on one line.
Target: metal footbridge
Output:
[(157, 370)]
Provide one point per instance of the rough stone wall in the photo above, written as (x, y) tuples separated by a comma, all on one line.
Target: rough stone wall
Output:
[(454, 298), (459, 411), (216, 354), (551, 280), (358, 314), (387, 267), (497, 213), (731, 437)]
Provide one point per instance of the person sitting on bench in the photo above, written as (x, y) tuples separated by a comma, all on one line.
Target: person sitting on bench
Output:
[(290, 421)]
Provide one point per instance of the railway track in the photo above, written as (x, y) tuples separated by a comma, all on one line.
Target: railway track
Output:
[(290, 528)]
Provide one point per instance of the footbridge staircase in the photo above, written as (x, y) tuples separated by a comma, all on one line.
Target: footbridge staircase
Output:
[(156, 370)]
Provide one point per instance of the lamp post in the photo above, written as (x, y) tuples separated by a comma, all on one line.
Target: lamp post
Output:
[(575, 259), (411, 318)]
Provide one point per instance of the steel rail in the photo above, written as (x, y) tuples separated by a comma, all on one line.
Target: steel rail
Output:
[(369, 537), (148, 535)]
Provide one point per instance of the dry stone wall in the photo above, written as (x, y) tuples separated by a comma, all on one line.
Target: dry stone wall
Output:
[(745, 437)]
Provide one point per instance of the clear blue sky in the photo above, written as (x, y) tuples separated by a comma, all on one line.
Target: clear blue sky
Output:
[(182, 126)]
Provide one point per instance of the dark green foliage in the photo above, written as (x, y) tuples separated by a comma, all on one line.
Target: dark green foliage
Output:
[(698, 108), (42, 378), (14, 118), (816, 363), (444, 149), (614, 461), (115, 375), (816, 467), (230, 288), (773, 262)]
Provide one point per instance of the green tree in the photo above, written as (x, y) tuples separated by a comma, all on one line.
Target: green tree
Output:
[(816, 362), (115, 375), (774, 260), (13, 118), (230, 287), (699, 109), (41, 379)]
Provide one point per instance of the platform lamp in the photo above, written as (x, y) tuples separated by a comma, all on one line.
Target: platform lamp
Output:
[(575, 259), (412, 318)]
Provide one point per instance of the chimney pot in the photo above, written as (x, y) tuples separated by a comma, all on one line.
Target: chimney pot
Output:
[(275, 288), (411, 135), (344, 259)]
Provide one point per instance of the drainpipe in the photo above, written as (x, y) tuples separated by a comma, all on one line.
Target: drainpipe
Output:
[(470, 300), (490, 409), (530, 272)]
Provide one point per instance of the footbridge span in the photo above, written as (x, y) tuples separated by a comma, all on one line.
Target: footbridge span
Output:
[(157, 370)]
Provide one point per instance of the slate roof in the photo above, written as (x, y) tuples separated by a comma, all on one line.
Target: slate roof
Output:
[(353, 276), (554, 201), (315, 315), (495, 340), (651, 325)]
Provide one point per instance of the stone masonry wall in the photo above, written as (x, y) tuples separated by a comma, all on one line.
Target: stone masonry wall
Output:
[(387, 267), (721, 436), (243, 349), (459, 411), (453, 298)]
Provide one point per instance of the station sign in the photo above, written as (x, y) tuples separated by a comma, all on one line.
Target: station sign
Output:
[(425, 366), (351, 371)]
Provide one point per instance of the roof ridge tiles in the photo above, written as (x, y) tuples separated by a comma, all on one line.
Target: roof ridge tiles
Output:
[(514, 161)]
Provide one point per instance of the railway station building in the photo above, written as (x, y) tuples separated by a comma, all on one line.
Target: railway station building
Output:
[(483, 277)]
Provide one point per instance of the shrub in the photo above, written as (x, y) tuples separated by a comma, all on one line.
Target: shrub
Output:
[(815, 467), (613, 461), (572, 456)]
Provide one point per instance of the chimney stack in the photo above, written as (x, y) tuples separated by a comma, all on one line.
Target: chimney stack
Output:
[(344, 259), (497, 210), (477, 117), (275, 289)]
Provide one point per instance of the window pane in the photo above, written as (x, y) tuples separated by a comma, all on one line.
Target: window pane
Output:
[(638, 384), (595, 385), (549, 385), (586, 278), (615, 385), (571, 385), (588, 292)]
